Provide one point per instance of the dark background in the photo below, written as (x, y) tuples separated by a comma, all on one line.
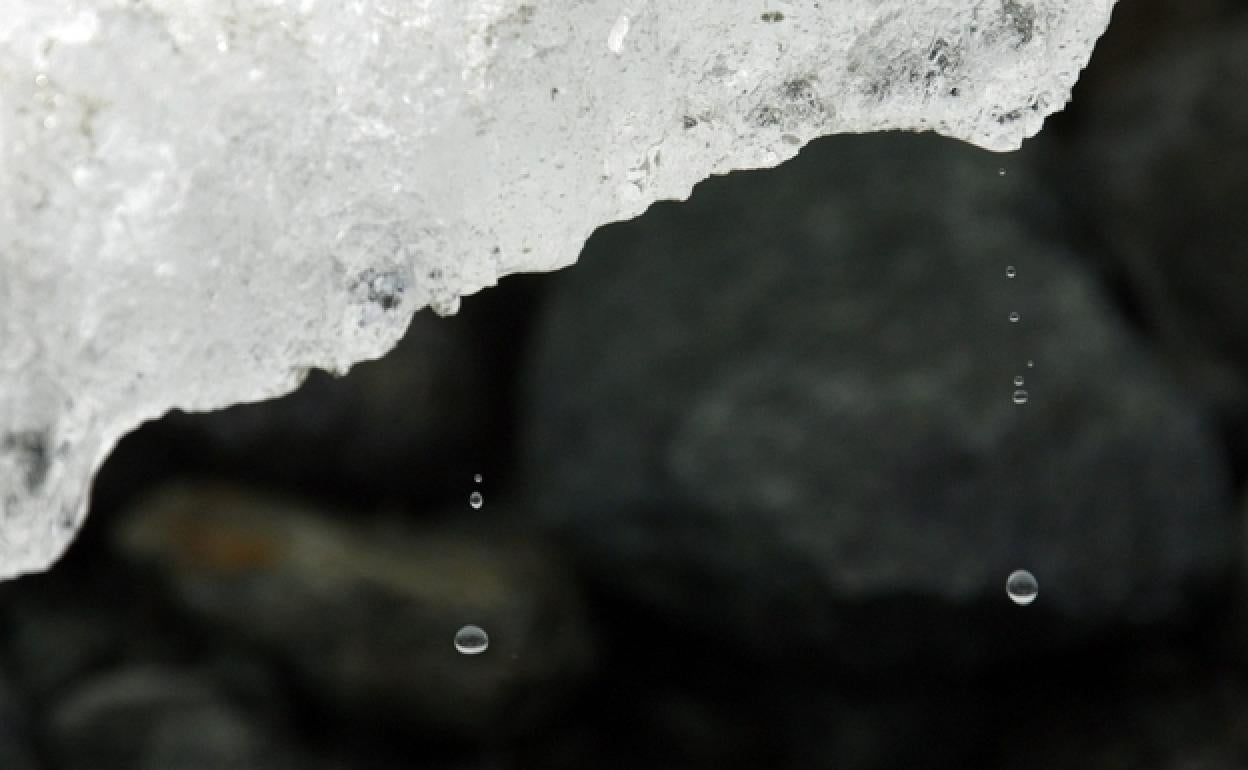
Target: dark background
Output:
[(753, 476)]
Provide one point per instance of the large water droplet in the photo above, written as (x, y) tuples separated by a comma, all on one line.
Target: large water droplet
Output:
[(476, 500), (1014, 317), (1022, 587), (1020, 397), (471, 640), (1010, 272)]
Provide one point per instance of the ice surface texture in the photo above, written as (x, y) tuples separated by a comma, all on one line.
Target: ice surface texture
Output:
[(201, 200)]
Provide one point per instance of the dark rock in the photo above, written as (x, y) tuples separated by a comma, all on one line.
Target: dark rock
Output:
[(780, 417), (1197, 725), (16, 744), (780, 725), (366, 616), (1164, 172), (153, 718), (403, 427), (1140, 28)]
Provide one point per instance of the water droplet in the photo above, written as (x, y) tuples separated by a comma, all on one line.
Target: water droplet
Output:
[(1022, 587), (471, 640), (1018, 380), (1020, 397), (476, 500), (1031, 364), (41, 80), (1014, 317), (1000, 172), (476, 477), (1010, 271)]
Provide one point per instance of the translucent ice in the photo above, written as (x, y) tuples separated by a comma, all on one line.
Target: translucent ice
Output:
[(200, 201)]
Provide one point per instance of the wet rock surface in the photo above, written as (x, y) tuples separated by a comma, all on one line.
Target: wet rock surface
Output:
[(785, 414)]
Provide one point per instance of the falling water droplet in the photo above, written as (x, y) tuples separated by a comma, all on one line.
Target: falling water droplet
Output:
[(1031, 364), (1010, 272), (1020, 397), (476, 500), (1022, 587), (471, 640), (476, 477), (1018, 380), (1014, 317), (1000, 172)]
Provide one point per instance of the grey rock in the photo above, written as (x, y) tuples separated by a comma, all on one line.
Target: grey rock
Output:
[(1162, 166), (780, 417), (366, 616), (157, 718)]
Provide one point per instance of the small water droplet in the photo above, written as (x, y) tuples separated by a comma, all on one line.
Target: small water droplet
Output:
[(41, 80), (471, 640), (1018, 380), (1010, 272), (1022, 588), (1000, 172), (1020, 397), (476, 477), (476, 500), (1014, 317), (1031, 364)]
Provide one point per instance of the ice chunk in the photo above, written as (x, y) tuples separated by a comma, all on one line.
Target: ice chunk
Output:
[(201, 201)]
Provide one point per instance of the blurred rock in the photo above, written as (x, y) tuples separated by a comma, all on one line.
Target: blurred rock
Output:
[(780, 417), (776, 725), (399, 428), (1199, 725), (154, 718), (366, 616), (1164, 172), (16, 751), (1139, 29)]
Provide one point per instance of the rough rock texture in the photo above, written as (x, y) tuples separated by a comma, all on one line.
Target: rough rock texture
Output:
[(201, 202), (362, 616), (803, 437), (1164, 169)]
